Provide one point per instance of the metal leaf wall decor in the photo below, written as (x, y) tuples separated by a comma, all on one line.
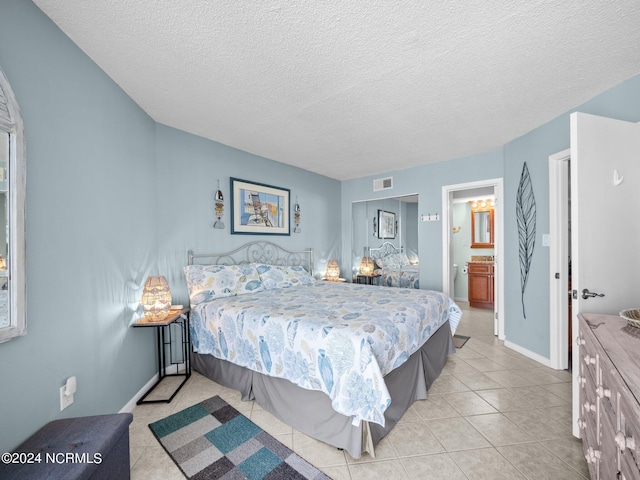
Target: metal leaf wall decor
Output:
[(526, 215)]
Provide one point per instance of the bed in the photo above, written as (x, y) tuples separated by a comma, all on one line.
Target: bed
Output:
[(394, 267), (340, 362)]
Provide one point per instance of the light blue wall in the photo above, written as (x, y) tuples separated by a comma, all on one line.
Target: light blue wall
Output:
[(90, 225), (112, 197), (621, 102), (188, 171), (427, 181)]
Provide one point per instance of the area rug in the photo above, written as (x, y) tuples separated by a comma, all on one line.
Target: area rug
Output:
[(460, 340), (212, 440)]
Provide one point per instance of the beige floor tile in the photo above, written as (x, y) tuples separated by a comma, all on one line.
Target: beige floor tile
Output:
[(484, 364), (337, 473), (432, 467), (447, 384), (540, 424), (455, 365), (154, 463), (499, 430), (316, 452), (410, 416), (413, 439), (468, 403), (456, 434), (384, 451), (535, 461), (570, 452), (269, 423), (538, 396), (434, 406), (503, 400), (477, 381), (386, 469), (561, 390), (509, 378), (486, 464)]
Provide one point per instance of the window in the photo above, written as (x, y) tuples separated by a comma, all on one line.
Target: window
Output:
[(12, 194)]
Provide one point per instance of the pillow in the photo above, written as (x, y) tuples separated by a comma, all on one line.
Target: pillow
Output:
[(394, 261), (207, 282), (279, 276)]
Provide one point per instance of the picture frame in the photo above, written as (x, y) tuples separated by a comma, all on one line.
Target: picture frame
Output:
[(386, 224), (259, 209)]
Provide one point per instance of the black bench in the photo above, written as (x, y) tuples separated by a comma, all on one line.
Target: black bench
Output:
[(83, 448)]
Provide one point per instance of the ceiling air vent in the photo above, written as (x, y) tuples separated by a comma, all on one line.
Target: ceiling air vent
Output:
[(382, 184)]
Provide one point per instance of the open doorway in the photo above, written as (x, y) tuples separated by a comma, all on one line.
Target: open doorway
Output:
[(450, 193)]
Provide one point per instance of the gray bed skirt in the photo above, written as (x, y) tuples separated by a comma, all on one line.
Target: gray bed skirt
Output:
[(310, 411)]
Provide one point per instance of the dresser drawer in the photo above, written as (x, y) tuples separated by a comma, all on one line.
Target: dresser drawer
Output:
[(628, 437), (486, 268)]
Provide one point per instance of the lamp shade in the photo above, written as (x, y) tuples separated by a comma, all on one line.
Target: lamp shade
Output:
[(3, 263), (156, 298), (333, 270), (366, 266)]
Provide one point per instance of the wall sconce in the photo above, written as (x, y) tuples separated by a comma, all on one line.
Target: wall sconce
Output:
[(156, 298), (219, 208), (296, 217), (3, 263), (333, 271)]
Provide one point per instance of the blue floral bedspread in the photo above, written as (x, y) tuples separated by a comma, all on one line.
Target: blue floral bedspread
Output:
[(337, 338)]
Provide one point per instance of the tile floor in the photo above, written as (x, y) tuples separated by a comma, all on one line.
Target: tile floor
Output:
[(492, 414)]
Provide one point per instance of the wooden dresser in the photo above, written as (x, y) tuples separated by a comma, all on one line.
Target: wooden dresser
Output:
[(480, 276), (609, 382)]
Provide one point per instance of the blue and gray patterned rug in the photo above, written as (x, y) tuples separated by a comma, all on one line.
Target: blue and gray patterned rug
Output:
[(212, 440)]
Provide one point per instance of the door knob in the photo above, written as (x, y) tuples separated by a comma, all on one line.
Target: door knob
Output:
[(587, 294)]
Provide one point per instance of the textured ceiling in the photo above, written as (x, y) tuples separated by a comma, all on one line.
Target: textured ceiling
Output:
[(350, 88)]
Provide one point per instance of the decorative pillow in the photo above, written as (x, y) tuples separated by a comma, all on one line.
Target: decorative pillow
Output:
[(394, 261), (207, 282), (279, 276)]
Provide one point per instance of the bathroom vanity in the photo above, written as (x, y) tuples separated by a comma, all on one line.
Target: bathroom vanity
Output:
[(481, 283)]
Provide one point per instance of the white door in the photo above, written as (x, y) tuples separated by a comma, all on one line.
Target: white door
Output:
[(605, 221)]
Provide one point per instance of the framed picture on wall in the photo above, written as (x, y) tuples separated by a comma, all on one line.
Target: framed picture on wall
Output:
[(259, 209), (386, 224)]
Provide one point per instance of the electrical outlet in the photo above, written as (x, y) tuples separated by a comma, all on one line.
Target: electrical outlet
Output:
[(65, 400)]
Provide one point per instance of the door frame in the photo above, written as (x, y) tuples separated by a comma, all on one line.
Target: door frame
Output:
[(559, 217), (447, 224)]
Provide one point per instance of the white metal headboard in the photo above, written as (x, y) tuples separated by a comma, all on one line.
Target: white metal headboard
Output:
[(255, 252), (383, 250)]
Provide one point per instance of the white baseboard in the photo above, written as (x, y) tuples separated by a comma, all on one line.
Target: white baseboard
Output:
[(131, 404), (528, 353)]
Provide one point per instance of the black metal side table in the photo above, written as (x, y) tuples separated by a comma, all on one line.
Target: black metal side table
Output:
[(168, 348), (367, 279)]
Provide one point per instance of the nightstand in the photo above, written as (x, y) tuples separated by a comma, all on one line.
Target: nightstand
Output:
[(172, 352), (367, 279)]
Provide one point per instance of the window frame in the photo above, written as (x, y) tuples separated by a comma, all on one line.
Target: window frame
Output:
[(11, 122)]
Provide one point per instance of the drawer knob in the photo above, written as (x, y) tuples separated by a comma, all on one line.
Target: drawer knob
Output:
[(625, 442), (590, 407), (592, 455), (589, 360), (603, 392)]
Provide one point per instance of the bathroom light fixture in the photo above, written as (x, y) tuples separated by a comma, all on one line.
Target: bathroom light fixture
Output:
[(333, 271), (156, 298)]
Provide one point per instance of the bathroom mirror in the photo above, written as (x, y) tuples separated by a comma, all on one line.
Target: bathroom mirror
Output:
[(481, 226)]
